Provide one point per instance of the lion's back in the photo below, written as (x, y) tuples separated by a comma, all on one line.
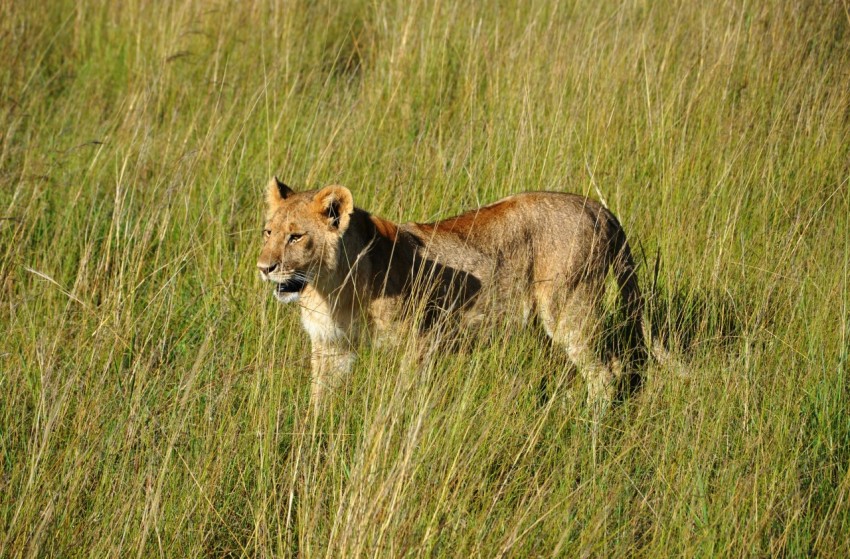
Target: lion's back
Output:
[(549, 224)]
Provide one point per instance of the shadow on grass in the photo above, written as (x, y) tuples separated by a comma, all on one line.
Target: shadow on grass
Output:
[(689, 320)]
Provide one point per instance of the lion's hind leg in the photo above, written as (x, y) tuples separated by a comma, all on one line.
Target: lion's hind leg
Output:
[(573, 320)]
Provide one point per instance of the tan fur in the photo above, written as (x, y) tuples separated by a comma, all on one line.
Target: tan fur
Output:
[(538, 252)]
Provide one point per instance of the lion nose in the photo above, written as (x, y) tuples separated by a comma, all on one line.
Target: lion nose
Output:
[(266, 268)]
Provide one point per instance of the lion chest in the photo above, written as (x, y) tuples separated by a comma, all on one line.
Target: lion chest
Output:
[(325, 323)]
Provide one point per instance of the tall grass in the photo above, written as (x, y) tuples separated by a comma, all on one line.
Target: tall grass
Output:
[(155, 398)]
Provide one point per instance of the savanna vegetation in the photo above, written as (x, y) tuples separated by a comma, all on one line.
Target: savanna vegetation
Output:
[(154, 398)]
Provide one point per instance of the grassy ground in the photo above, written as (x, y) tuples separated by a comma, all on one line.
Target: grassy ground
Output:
[(155, 398)]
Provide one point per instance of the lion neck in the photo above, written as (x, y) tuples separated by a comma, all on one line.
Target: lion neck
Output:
[(374, 259)]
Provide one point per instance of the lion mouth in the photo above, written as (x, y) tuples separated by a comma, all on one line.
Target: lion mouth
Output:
[(291, 285), (289, 290)]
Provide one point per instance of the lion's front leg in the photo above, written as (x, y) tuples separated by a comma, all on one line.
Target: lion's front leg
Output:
[(331, 362)]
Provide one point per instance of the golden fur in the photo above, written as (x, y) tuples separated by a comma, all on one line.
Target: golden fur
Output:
[(537, 253)]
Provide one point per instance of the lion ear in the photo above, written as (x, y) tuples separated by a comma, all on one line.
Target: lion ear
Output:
[(336, 204), (277, 192)]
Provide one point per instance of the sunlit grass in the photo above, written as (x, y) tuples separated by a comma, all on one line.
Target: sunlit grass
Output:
[(155, 397)]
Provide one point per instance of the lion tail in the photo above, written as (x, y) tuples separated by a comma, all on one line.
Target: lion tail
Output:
[(625, 272)]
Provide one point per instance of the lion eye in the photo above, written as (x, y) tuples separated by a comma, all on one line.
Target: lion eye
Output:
[(267, 233), (294, 238)]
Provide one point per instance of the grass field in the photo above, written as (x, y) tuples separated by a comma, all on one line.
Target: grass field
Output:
[(154, 397)]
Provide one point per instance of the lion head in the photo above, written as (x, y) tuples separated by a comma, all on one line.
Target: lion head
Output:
[(302, 236)]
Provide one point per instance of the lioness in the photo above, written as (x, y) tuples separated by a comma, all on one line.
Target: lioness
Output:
[(540, 253)]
